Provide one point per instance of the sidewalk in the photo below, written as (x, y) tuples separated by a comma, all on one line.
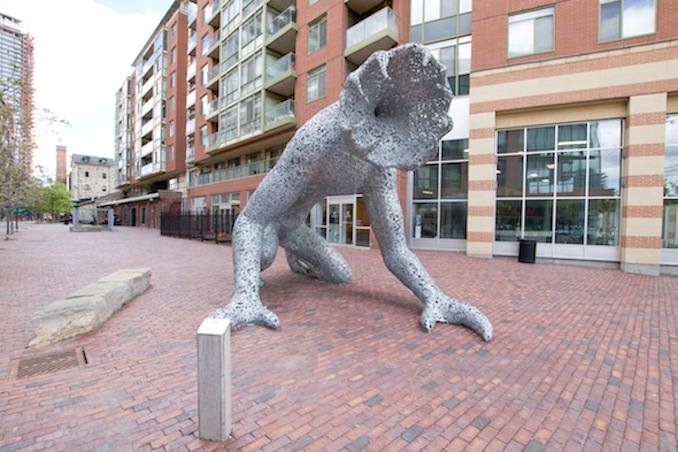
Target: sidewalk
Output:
[(582, 359)]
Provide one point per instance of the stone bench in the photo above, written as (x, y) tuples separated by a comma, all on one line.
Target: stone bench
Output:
[(87, 308)]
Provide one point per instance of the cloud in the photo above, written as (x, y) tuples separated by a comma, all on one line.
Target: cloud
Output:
[(83, 52)]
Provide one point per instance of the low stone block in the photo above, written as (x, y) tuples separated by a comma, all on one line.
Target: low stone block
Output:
[(88, 307)]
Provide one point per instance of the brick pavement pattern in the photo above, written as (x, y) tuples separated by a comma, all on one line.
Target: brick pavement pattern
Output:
[(582, 359)]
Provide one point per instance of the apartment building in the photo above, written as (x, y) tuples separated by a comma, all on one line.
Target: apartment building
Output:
[(565, 119), (16, 84), (573, 131)]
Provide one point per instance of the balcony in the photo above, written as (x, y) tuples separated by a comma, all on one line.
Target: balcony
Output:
[(280, 5), (282, 31), (279, 115), (192, 14), (147, 148), (147, 107), (236, 172), (190, 71), (362, 6), (190, 127), (152, 168), (213, 78), (148, 85), (213, 14), (212, 111), (190, 99), (377, 32), (280, 75), (210, 47), (146, 128), (190, 153), (192, 42)]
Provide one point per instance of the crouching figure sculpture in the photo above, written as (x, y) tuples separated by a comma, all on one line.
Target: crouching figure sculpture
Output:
[(391, 114)]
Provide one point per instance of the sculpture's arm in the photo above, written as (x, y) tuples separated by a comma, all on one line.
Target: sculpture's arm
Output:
[(386, 217)]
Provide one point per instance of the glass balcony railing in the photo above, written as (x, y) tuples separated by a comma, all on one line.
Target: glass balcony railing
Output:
[(237, 172), (190, 126), (190, 153), (281, 111), (192, 42), (282, 20), (279, 67), (214, 72), (190, 99), (146, 128), (212, 108), (147, 148), (384, 19), (211, 10), (190, 71), (151, 168), (207, 44)]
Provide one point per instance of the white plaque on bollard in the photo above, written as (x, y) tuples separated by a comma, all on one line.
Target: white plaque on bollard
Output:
[(214, 379)]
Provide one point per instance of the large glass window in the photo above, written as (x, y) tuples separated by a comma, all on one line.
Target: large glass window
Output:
[(670, 223), (436, 20), (626, 18), (252, 74), (250, 114), (530, 32), (560, 183), (316, 84), (455, 56), (440, 193), (317, 34)]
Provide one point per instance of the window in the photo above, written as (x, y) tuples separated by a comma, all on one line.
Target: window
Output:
[(171, 104), (203, 135), (203, 105), (670, 223), (204, 75), (530, 32), (626, 18), (230, 50), (230, 15), (103, 188), (317, 34), (86, 173), (316, 84), (457, 62), (312, 2), (173, 31), (230, 82), (172, 55), (250, 114), (172, 79), (103, 175), (560, 184), (170, 152), (436, 20), (171, 128), (440, 193), (252, 74)]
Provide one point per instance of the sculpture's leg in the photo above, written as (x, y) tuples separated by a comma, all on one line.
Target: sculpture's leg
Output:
[(309, 254), (245, 306), (269, 247), (386, 216)]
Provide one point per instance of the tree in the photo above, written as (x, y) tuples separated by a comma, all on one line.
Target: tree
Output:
[(54, 200)]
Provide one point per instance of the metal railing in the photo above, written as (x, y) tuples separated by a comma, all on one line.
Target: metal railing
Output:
[(237, 172), (203, 226)]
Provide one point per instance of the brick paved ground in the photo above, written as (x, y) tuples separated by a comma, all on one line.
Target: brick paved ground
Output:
[(583, 359)]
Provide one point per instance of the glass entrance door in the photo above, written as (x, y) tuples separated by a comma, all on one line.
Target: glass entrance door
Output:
[(340, 223)]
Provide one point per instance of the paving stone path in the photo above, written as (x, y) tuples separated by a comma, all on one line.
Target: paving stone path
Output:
[(582, 359)]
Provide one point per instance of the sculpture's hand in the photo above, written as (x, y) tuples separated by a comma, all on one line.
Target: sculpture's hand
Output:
[(242, 311), (442, 308)]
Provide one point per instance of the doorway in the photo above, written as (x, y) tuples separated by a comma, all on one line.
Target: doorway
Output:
[(340, 222)]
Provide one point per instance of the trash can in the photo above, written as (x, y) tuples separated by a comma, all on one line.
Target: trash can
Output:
[(528, 251)]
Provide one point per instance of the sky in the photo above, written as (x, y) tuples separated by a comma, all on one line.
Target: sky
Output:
[(83, 50)]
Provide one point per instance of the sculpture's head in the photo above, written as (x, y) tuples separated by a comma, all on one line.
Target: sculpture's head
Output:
[(393, 108)]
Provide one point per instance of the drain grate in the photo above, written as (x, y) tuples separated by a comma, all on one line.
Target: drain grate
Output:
[(45, 364)]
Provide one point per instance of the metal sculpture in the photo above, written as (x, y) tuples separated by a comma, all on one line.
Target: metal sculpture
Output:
[(391, 114)]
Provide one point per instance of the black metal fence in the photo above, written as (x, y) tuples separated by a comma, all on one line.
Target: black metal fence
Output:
[(203, 226)]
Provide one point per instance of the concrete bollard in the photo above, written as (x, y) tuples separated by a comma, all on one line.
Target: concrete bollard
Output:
[(214, 379)]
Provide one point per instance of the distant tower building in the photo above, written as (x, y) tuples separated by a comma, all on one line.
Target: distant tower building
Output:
[(16, 78), (61, 164)]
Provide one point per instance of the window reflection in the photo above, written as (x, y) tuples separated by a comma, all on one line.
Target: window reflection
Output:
[(603, 222), (604, 173), (508, 215), (453, 220), (539, 220), (570, 221), (539, 177)]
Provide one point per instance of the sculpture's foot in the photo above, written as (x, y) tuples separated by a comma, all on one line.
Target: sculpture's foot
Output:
[(448, 310), (242, 314)]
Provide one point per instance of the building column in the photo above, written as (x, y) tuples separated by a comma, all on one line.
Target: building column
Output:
[(482, 173), (642, 200)]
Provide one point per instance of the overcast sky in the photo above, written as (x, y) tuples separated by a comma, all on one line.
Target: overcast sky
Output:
[(84, 49)]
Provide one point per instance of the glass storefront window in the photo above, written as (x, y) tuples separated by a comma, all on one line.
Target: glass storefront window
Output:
[(605, 134), (571, 174), (670, 230), (541, 139), (426, 182), (510, 176), (454, 183), (570, 221), (604, 173), (603, 222), (453, 220), (538, 220), (670, 218), (510, 141), (572, 136), (425, 220), (454, 149), (508, 217), (539, 177)]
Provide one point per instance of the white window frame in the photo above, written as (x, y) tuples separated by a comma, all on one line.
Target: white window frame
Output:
[(522, 32)]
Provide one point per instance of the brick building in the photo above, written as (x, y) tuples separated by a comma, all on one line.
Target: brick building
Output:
[(565, 118)]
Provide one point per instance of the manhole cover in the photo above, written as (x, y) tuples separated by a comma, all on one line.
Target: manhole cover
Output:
[(45, 364)]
